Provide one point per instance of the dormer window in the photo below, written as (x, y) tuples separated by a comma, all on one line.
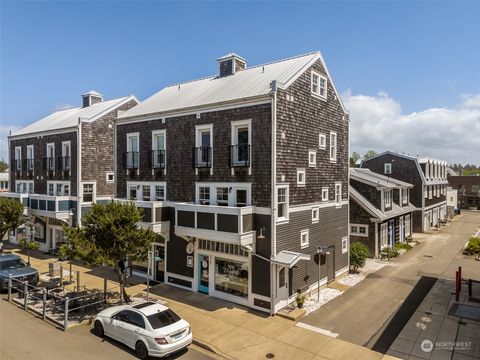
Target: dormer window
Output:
[(387, 169), (319, 85), (388, 198)]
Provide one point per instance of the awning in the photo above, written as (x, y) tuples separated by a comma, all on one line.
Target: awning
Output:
[(289, 258)]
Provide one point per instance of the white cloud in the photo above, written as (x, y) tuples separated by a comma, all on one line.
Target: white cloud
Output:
[(453, 134), (4, 132)]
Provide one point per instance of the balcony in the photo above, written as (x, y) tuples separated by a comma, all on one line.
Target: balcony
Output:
[(219, 223), (17, 165), (239, 155), (155, 216), (202, 157), (64, 163), (49, 165), (157, 159), (22, 197), (58, 207), (130, 160), (29, 166)]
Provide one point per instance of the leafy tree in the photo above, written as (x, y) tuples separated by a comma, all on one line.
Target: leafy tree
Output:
[(109, 234), (11, 215), (354, 158), (3, 166), (358, 255), (369, 154), (28, 244)]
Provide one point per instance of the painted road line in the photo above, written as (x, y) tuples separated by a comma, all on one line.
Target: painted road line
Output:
[(316, 329)]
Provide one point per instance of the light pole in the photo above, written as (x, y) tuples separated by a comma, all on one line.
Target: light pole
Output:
[(30, 230), (151, 259)]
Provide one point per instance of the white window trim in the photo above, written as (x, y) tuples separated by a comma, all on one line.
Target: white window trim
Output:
[(315, 219), (306, 232), (287, 200), (51, 145), (404, 198), (338, 203), (327, 197), (334, 157), (232, 201), (383, 236), (301, 183), (407, 228), (388, 199), (198, 141), (322, 141), (387, 168), (64, 145), (110, 173), (62, 183), (32, 158), (129, 147), (358, 233), (235, 125), (139, 189), (27, 183), (318, 94), (154, 143), (310, 163), (94, 194), (344, 245)]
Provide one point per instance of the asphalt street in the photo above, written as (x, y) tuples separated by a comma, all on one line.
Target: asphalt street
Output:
[(24, 336), (361, 314)]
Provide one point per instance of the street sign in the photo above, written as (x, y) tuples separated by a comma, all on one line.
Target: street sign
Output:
[(128, 272)]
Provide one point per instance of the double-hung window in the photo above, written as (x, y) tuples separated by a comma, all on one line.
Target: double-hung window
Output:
[(359, 230), (388, 198), (319, 85), (159, 192), (204, 195), (51, 189), (50, 159), (387, 168), (282, 203), (146, 192), (404, 196), (222, 196), (18, 158), (333, 146), (158, 149), (30, 158), (88, 192), (338, 193)]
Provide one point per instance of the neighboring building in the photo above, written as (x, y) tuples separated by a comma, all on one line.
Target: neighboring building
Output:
[(62, 163), (380, 210), (468, 188), (4, 178), (429, 179), (240, 216), (452, 202)]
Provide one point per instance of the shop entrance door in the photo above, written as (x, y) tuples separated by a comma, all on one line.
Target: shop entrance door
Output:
[(203, 273), (160, 263)]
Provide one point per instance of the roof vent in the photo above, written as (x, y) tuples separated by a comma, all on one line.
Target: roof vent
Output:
[(230, 64), (90, 98)]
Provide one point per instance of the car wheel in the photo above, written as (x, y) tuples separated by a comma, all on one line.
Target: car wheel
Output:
[(141, 350), (98, 329)]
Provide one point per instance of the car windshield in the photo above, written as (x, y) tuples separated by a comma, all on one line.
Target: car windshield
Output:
[(12, 264), (163, 318)]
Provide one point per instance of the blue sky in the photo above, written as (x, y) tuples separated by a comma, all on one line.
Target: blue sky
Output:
[(418, 55)]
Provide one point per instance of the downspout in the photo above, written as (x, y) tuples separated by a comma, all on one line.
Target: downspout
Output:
[(273, 216), (79, 171), (10, 178)]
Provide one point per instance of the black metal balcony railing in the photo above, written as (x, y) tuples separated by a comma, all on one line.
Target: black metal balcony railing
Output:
[(64, 163), (157, 159), (29, 164), (202, 157), (239, 155), (49, 163), (130, 160)]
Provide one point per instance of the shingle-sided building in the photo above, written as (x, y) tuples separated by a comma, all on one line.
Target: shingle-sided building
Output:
[(468, 188), (380, 210), (62, 163), (429, 179), (243, 174)]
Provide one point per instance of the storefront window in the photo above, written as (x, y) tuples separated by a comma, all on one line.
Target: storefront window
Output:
[(231, 277)]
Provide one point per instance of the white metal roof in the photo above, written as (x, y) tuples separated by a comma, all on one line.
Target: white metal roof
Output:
[(69, 118), (250, 83), (289, 258), (370, 177)]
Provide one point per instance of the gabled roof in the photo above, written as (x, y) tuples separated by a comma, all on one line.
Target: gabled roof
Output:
[(376, 212), (68, 118), (249, 84), (371, 178)]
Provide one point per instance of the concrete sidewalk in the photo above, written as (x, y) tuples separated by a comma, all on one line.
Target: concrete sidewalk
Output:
[(227, 329)]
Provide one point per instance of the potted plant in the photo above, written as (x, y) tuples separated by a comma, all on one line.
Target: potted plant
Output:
[(300, 299)]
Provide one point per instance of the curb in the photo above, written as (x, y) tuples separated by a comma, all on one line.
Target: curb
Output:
[(211, 348)]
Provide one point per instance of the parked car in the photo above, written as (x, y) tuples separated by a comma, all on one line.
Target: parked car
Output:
[(151, 329), (11, 264)]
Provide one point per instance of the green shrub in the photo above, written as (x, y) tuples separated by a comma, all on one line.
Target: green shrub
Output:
[(391, 252), (358, 255), (404, 246), (473, 246)]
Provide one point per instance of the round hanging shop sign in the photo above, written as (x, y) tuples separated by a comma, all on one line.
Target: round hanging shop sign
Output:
[(190, 248), (204, 264)]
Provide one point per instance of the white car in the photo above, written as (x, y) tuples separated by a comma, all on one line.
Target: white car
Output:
[(150, 328)]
